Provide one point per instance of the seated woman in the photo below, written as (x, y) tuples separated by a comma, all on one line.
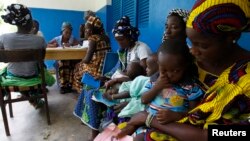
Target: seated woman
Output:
[(82, 26), (99, 45), (175, 26), (223, 69), (89, 111), (20, 16), (64, 68)]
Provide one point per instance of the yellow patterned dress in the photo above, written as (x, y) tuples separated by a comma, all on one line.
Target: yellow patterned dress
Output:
[(96, 64)]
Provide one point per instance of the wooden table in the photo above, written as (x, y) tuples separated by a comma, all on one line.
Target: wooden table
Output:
[(65, 53)]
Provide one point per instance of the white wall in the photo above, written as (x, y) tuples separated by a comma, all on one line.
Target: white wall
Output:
[(77, 5)]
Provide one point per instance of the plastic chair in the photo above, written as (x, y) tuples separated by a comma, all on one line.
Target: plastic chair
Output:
[(110, 61), (22, 55)]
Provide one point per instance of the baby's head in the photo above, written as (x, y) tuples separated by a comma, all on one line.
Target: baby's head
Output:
[(134, 69), (175, 61), (152, 64)]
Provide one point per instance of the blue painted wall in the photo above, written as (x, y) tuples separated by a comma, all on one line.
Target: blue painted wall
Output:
[(50, 24), (51, 20), (152, 34)]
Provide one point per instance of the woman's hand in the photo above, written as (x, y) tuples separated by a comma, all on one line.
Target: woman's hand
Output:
[(67, 45), (136, 121), (165, 116), (110, 83), (52, 45), (102, 78)]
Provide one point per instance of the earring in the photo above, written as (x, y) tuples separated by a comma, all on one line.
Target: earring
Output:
[(234, 41)]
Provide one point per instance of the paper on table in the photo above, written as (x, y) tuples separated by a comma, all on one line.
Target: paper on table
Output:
[(85, 44), (109, 132)]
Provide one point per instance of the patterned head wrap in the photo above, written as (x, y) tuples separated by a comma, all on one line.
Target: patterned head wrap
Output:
[(95, 22), (17, 14), (180, 12), (123, 28), (66, 25), (219, 16)]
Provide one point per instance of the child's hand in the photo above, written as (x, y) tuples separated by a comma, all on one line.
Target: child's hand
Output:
[(110, 83), (162, 82), (107, 96)]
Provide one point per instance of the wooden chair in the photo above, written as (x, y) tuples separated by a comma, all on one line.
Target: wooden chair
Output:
[(22, 55)]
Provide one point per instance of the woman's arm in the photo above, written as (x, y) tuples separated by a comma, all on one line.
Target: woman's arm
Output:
[(52, 44), (90, 52), (75, 42), (114, 81), (180, 131), (143, 63), (165, 116)]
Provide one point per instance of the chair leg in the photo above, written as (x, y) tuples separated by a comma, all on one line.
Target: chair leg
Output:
[(47, 108), (10, 106), (5, 120)]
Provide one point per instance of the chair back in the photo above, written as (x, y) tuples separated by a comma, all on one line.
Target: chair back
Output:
[(25, 55), (22, 55), (110, 61)]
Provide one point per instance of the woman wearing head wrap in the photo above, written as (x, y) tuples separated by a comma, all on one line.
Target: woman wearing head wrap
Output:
[(214, 27), (175, 27), (66, 39), (130, 49), (20, 16), (64, 68), (99, 44), (36, 29), (82, 26), (89, 111)]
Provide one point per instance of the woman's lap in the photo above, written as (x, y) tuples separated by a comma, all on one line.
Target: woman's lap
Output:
[(89, 111)]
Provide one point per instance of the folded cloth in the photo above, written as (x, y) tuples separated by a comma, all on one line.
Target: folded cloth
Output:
[(6, 80)]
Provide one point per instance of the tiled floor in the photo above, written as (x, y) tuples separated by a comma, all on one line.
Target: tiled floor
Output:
[(29, 124)]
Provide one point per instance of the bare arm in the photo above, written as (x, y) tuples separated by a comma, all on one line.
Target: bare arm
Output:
[(52, 44), (182, 132), (148, 96), (114, 81), (75, 42), (143, 63), (121, 95), (160, 84), (90, 52)]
